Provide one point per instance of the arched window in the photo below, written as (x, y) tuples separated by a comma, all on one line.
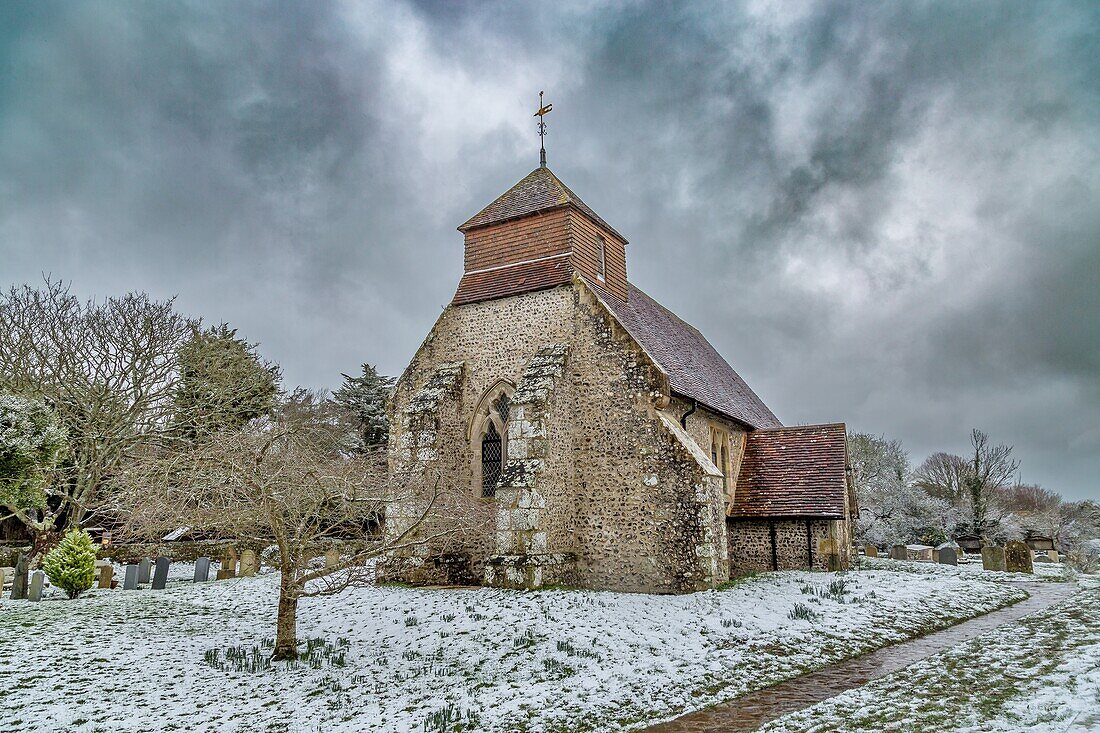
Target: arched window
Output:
[(492, 460), (489, 437)]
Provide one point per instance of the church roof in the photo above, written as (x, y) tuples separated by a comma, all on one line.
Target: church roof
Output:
[(539, 191), (695, 369), (793, 472)]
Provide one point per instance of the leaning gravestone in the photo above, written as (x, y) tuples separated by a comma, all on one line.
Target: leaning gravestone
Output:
[(1018, 557), (106, 575), (948, 556), (248, 563), (993, 558), (202, 570), (870, 551), (160, 575), (144, 567), (19, 584), (899, 552), (130, 579), (38, 579), (332, 558)]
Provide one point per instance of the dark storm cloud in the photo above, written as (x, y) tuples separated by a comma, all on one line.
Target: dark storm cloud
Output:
[(882, 213)]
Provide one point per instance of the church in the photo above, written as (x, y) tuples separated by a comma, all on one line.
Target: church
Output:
[(609, 444)]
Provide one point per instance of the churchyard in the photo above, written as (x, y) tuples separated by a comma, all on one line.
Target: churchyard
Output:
[(195, 656)]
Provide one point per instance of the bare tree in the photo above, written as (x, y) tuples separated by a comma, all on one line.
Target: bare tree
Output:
[(943, 476), (289, 481), (988, 475), (107, 367)]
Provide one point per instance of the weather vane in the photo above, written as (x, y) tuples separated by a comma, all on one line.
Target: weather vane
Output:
[(541, 114)]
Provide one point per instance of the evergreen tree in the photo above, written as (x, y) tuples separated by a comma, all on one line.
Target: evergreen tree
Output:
[(71, 565), (363, 398), (32, 444), (223, 383)]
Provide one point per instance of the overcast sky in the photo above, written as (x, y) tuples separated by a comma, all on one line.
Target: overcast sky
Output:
[(885, 214)]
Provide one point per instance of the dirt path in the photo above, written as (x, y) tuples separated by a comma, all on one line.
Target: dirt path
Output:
[(756, 708)]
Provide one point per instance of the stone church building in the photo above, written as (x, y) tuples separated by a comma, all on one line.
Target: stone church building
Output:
[(609, 443)]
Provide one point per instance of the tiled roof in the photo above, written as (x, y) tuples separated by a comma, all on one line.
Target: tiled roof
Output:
[(522, 277), (538, 191), (694, 368), (793, 472)]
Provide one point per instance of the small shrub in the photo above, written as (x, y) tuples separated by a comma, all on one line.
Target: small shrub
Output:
[(71, 565)]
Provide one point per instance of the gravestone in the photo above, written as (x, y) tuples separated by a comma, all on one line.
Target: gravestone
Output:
[(130, 579), (6, 576), (38, 579), (870, 551), (899, 552), (248, 563), (1018, 557), (19, 583), (993, 558), (229, 564), (1053, 555), (202, 570), (160, 575), (948, 556), (332, 558), (106, 575), (144, 567)]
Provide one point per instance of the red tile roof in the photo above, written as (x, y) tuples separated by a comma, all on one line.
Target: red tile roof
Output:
[(793, 472), (521, 277), (540, 190), (695, 369)]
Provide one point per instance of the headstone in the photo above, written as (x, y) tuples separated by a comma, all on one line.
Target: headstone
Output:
[(7, 574), (993, 558), (202, 570), (935, 555), (160, 575), (106, 575), (1053, 555), (899, 552), (38, 579), (223, 574), (229, 564), (248, 563), (870, 551), (948, 556), (1018, 557), (144, 567), (19, 583), (332, 558), (130, 579)]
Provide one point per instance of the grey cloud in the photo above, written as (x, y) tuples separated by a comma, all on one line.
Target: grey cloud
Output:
[(882, 213)]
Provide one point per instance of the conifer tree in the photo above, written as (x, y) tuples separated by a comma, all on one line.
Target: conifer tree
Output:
[(364, 400), (223, 383), (32, 444), (71, 565)]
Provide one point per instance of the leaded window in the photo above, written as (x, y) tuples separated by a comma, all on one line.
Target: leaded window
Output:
[(491, 460), (501, 406)]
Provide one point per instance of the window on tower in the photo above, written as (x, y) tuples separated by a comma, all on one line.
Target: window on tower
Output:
[(601, 253)]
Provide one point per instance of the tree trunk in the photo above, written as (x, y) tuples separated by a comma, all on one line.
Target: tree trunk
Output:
[(286, 634)]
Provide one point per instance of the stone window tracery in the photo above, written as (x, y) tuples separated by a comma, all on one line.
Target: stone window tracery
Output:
[(489, 437)]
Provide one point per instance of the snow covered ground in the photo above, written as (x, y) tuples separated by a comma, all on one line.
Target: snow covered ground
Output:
[(1040, 674), (402, 659)]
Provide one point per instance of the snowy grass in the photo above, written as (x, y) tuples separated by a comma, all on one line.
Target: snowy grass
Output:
[(1041, 673), (185, 659)]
